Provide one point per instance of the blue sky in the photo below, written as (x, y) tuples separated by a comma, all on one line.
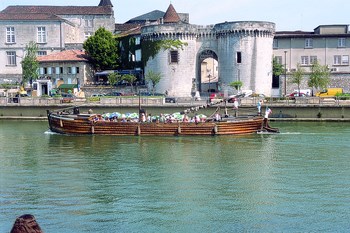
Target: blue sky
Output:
[(288, 15)]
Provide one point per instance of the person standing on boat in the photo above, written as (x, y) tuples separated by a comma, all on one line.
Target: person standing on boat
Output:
[(143, 117), (259, 107)]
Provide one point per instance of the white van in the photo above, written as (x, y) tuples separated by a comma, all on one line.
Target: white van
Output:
[(307, 92)]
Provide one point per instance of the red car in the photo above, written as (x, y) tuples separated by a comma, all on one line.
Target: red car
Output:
[(296, 94), (216, 96)]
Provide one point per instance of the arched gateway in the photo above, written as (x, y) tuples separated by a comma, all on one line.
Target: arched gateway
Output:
[(226, 52)]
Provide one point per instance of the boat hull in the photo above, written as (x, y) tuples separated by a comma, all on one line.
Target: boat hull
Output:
[(83, 124)]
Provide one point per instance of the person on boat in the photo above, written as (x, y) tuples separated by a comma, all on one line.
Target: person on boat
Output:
[(143, 117), (268, 111), (235, 103), (217, 116), (197, 119), (162, 118), (185, 118), (259, 107)]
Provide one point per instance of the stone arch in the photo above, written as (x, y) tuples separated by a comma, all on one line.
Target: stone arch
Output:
[(207, 72)]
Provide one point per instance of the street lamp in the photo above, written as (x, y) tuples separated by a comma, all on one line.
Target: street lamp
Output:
[(285, 73), (209, 90)]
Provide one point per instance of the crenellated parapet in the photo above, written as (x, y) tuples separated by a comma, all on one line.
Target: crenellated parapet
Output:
[(189, 31)]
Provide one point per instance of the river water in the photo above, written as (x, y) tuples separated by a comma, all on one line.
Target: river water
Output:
[(296, 181)]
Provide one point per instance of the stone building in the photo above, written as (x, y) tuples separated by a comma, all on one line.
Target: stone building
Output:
[(242, 50), (328, 44), (66, 67), (53, 28)]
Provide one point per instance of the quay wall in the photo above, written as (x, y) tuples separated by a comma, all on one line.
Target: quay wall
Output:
[(278, 112)]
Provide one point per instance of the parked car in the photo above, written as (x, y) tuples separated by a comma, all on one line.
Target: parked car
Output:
[(114, 93), (213, 96), (296, 94), (97, 95)]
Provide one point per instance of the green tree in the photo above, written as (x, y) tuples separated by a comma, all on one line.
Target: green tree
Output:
[(154, 78), (130, 79), (102, 49), (237, 85), (114, 78), (30, 64), (277, 68), (319, 76), (297, 76)]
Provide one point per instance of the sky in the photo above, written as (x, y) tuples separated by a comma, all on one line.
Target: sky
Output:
[(288, 15)]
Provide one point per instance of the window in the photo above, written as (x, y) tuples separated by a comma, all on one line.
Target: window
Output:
[(337, 60), (87, 35), (308, 43), (137, 40), (138, 55), (275, 43), (41, 35), (313, 59), (58, 70), (174, 56), (42, 53), (345, 60), (10, 35), (278, 59), (304, 60), (11, 58), (88, 23), (341, 43), (239, 57)]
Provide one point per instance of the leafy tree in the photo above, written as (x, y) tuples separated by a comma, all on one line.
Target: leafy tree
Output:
[(103, 50), (319, 76), (154, 78), (277, 68), (237, 85), (297, 76), (30, 64), (130, 79), (114, 78)]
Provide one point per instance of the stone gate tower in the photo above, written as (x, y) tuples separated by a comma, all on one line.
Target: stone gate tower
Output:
[(242, 49)]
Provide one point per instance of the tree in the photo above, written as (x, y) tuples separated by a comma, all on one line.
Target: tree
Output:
[(237, 85), (30, 64), (102, 49), (154, 78), (114, 78), (319, 76), (297, 76), (278, 68), (130, 79)]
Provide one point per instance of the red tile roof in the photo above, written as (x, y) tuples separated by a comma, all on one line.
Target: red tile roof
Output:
[(20, 16), (65, 56), (171, 15), (61, 10)]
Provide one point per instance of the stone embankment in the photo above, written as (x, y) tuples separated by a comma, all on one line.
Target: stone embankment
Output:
[(307, 109)]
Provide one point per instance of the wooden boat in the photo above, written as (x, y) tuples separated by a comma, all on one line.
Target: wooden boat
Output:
[(65, 122)]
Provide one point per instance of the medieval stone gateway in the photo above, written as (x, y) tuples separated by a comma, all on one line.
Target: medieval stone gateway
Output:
[(242, 51)]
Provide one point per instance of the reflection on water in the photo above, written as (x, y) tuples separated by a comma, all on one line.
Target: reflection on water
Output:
[(296, 181)]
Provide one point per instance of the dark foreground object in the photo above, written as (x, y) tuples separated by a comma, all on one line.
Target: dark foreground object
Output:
[(26, 224)]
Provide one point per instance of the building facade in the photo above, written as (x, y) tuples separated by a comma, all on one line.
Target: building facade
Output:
[(328, 44), (53, 28)]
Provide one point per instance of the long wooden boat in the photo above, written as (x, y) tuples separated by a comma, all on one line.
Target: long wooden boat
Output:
[(76, 123)]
